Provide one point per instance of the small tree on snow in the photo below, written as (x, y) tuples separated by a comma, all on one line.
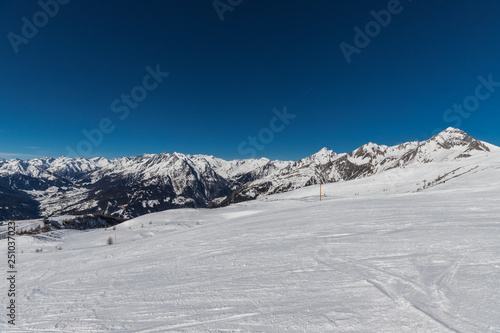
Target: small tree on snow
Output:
[(110, 240)]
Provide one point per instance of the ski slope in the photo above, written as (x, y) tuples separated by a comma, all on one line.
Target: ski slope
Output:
[(386, 253), (27, 225)]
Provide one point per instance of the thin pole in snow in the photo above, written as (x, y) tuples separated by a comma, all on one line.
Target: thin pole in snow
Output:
[(320, 182)]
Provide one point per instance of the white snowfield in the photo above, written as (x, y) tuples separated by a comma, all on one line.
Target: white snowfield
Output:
[(27, 225), (375, 255)]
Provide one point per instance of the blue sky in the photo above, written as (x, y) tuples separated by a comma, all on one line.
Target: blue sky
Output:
[(226, 77)]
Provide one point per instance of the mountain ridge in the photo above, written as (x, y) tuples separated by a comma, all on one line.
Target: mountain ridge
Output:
[(364, 161), (132, 186)]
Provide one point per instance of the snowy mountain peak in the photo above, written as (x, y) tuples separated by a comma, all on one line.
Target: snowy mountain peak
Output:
[(368, 151), (323, 156), (453, 133), (453, 137), (453, 129)]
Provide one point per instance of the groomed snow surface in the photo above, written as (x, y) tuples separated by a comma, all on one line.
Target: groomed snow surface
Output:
[(373, 256)]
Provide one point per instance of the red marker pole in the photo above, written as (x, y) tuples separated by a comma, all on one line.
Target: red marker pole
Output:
[(320, 182)]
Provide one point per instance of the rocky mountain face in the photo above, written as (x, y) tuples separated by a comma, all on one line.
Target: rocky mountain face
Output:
[(132, 186)]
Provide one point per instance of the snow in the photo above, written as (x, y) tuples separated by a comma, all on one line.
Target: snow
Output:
[(27, 225), (323, 156), (378, 254), (234, 168)]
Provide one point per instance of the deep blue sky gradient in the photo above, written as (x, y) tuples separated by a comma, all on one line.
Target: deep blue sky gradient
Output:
[(226, 77)]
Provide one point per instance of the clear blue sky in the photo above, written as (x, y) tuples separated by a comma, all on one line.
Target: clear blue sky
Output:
[(226, 77)]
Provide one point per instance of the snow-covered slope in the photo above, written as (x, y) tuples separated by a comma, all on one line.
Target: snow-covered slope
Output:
[(450, 145), (386, 253)]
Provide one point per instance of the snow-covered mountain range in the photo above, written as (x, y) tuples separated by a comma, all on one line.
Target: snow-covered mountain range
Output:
[(132, 186), (125, 187), (369, 159)]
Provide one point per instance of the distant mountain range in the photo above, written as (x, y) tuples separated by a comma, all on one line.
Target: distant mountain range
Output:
[(132, 186)]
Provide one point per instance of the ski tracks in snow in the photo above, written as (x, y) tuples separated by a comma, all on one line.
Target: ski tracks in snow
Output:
[(427, 292)]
